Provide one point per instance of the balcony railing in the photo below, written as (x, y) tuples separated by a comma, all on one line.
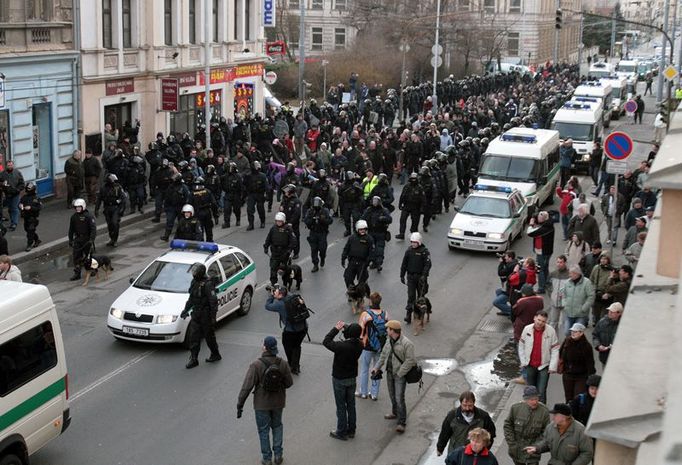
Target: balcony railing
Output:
[(41, 35)]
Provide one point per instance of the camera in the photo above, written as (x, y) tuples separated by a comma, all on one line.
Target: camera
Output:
[(268, 288), (379, 374)]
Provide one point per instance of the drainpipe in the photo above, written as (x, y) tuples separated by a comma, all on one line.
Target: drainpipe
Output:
[(75, 69)]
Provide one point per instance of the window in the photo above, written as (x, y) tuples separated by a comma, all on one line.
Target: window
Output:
[(515, 6), (165, 277), (294, 4), (193, 21), (40, 10), (489, 6), (247, 14), (127, 24), (235, 14), (513, 44), (168, 22), (341, 5), (339, 38), (107, 29), (26, 357), (4, 11), (216, 10), (5, 140), (316, 39), (243, 258), (317, 4), (231, 265), (213, 273), (464, 5)]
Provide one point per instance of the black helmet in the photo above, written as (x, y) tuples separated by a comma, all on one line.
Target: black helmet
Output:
[(198, 271), (30, 188), (383, 179), (289, 189), (413, 177), (232, 167), (318, 202), (177, 177), (138, 159), (424, 171), (182, 165), (165, 162)]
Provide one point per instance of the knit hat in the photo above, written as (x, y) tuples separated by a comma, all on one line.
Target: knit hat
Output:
[(593, 380), (562, 409), (530, 392), (270, 344)]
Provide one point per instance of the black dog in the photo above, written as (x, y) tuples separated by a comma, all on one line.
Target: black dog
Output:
[(356, 296), (421, 314), (290, 274), (94, 265)]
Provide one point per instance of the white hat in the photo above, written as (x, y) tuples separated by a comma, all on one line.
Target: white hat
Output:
[(280, 216), (416, 237)]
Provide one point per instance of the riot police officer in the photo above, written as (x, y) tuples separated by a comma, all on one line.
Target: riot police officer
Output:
[(416, 264), (291, 207), (290, 177), (82, 233), (378, 218), (189, 226), (384, 191), (177, 195), (160, 181), (320, 188), (205, 207), (112, 196), (280, 242), (350, 201), (30, 206), (212, 183), (411, 203), (202, 305), (135, 177), (318, 219), (426, 182), (231, 183), (359, 250), (256, 188)]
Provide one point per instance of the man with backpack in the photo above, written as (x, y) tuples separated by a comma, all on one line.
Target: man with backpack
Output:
[(344, 372), (292, 317), (373, 324), (268, 378)]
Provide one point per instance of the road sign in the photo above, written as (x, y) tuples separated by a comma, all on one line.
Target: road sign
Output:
[(631, 106), (618, 146), (436, 61), (437, 49), (616, 167), (670, 72), (270, 78)]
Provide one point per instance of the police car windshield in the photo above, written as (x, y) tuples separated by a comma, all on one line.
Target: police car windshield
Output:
[(574, 131), (508, 168), (165, 277), (486, 206)]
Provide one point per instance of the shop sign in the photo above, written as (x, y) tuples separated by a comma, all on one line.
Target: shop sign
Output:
[(268, 13), (186, 80), (243, 71), (222, 75), (169, 94), (120, 86), (200, 99), (275, 48)]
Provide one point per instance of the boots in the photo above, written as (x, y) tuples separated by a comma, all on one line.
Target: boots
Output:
[(214, 358), (76, 275), (193, 362), (249, 227)]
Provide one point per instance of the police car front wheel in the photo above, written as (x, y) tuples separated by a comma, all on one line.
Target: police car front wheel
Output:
[(245, 302)]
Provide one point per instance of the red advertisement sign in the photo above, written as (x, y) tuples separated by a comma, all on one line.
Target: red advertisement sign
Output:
[(243, 99), (200, 99), (221, 75), (120, 86), (276, 48), (169, 94)]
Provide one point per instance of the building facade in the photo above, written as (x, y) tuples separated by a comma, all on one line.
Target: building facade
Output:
[(134, 49), (38, 88)]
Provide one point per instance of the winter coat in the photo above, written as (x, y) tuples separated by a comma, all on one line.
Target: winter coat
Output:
[(13, 274), (455, 429), (522, 428), (465, 455), (588, 226), (574, 447), (550, 347), (544, 234), (524, 311), (556, 284), (262, 399), (403, 348), (576, 251), (577, 357), (579, 298)]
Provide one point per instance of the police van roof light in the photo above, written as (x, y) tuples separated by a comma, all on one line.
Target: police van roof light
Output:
[(576, 106), (527, 139), (485, 187), (586, 99), (179, 244)]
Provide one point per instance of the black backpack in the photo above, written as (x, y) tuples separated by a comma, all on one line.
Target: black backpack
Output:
[(273, 378), (297, 311)]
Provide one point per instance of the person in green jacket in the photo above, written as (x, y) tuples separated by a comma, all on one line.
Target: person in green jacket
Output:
[(578, 299), (524, 426), (599, 277), (564, 439)]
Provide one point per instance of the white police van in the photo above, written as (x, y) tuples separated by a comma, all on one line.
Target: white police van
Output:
[(581, 121), (619, 94), (525, 159), (628, 70), (600, 70), (149, 310), (596, 90), (489, 220)]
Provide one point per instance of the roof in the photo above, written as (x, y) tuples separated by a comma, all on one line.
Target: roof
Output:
[(190, 256), (493, 193), (666, 172), (543, 137), (588, 114), (593, 89), (17, 297)]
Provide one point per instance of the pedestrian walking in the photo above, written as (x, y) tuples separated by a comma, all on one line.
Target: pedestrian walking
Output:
[(476, 452), (567, 156), (584, 223), (416, 266), (75, 177), (30, 206), (605, 331), (12, 183), (576, 361), (268, 378), (8, 271), (202, 305), (565, 439), (540, 359), (640, 109), (344, 372), (525, 425), (113, 197), (578, 299), (205, 206), (176, 196), (292, 208), (82, 233), (398, 357), (373, 323), (318, 219), (358, 251), (256, 186), (233, 187), (556, 286), (378, 218), (293, 332), (460, 421), (412, 202), (581, 405), (649, 80)]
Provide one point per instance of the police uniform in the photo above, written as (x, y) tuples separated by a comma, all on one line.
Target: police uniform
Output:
[(189, 229), (205, 208), (203, 305), (350, 203), (82, 233), (256, 188), (111, 195), (359, 250), (318, 219), (176, 196), (232, 185), (378, 219), (30, 215), (417, 264), (281, 242), (160, 181), (411, 202), (291, 207)]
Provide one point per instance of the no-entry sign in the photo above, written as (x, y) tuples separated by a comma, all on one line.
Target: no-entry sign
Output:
[(618, 146)]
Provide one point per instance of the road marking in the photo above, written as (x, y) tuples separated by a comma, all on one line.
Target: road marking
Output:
[(110, 375)]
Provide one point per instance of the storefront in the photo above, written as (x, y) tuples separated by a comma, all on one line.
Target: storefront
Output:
[(37, 116)]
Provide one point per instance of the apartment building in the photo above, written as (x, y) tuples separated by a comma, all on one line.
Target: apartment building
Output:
[(326, 25), (38, 88)]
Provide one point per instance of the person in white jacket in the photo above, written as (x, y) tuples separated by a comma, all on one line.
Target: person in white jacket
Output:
[(539, 357), (659, 128), (8, 271)]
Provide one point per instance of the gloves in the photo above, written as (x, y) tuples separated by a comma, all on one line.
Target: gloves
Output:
[(343, 263), (265, 250), (184, 314), (239, 412), (402, 279)]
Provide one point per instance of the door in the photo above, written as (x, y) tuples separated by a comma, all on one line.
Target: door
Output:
[(232, 286), (42, 148)]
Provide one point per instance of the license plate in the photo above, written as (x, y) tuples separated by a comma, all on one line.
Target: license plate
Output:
[(471, 242), (135, 331)]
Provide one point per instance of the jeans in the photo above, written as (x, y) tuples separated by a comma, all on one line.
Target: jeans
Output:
[(344, 395), (501, 302), (12, 203), (265, 421), (396, 391), (570, 320), (539, 379), (564, 225), (543, 263), (368, 359)]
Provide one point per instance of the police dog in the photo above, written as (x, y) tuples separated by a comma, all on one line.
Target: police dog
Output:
[(421, 314), (356, 296), (96, 265), (289, 274)]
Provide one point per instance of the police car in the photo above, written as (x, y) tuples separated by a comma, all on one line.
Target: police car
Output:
[(489, 220), (149, 310)]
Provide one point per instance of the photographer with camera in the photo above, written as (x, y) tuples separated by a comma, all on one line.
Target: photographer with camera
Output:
[(344, 372), (541, 230), (508, 264), (293, 333)]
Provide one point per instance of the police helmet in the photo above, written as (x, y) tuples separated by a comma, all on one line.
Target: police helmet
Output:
[(361, 224), (424, 171), (170, 139), (289, 189), (30, 188), (79, 203), (198, 270), (232, 167), (198, 181), (177, 177), (506, 127), (318, 202), (112, 178), (485, 141), (137, 159), (416, 237), (280, 216), (182, 165), (413, 177), (210, 169), (383, 178), (165, 162), (350, 175), (187, 208), (256, 165), (153, 146), (376, 201), (322, 173)]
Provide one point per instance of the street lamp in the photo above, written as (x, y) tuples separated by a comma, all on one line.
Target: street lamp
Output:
[(404, 48)]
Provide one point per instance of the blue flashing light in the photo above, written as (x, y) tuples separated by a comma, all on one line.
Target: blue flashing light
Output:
[(526, 139), (586, 99), (179, 244), (592, 83), (485, 187), (577, 106)]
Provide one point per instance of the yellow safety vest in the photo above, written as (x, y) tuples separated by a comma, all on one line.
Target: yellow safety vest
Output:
[(369, 185), (678, 94)]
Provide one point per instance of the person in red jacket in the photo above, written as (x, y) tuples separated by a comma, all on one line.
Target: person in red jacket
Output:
[(566, 195), (312, 138)]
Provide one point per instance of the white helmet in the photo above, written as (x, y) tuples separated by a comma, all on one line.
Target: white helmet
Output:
[(361, 224), (79, 203), (281, 217), (416, 237), (188, 208)]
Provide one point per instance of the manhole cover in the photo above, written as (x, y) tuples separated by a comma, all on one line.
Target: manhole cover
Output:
[(495, 326)]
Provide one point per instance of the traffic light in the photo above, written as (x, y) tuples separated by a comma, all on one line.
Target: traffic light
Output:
[(558, 19)]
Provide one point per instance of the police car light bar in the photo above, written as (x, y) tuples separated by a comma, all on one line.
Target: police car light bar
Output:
[(586, 99), (179, 244), (527, 139), (577, 106), (591, 83), (485, 187)]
